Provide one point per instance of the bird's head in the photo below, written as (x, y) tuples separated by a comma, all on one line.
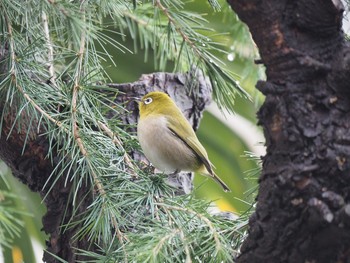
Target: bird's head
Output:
[(155, 102)]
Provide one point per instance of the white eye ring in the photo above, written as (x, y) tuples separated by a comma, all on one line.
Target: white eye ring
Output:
[(148, 100)]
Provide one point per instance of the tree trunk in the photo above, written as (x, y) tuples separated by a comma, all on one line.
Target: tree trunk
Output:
[(303, 204)]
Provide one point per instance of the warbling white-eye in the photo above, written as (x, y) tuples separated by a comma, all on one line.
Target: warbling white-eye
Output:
[(168, 140)]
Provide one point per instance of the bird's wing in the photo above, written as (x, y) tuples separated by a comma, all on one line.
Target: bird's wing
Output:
[(189, 137)]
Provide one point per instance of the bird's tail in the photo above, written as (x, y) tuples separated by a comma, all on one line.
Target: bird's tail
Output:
[(220, 182), (217, 179)]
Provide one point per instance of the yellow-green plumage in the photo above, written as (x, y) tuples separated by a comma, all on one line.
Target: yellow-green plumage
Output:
[(168, 139)]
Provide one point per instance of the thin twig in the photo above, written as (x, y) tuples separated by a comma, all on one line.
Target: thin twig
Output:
[(50, 49), (156, 208), (164, 240), (12, 47), (177, 28), (56, 122), (136, 19), (75, 94), (13, 74), (187, 249), (117, 142), (76, 134), (60, 8), (202, 217)]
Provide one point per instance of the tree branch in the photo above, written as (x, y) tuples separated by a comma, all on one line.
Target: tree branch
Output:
[(50, 50)]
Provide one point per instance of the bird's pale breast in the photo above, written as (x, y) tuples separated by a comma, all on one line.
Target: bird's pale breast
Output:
[(162, 148)]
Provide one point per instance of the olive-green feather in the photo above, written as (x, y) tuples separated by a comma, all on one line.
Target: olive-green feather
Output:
[(188, 136)]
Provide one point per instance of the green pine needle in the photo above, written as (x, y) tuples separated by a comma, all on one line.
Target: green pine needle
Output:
[(56, 51)]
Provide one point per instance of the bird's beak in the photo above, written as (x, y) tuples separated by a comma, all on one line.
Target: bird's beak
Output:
[(137, 99)]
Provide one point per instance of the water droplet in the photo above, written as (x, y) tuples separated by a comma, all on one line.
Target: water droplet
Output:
[(231, 57)]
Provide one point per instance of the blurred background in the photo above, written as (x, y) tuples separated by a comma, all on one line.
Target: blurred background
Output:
[(233, 141)]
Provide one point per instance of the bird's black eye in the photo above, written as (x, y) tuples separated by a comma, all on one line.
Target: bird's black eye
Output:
[(148, 100)]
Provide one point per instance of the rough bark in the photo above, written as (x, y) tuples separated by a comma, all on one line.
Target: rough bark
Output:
[(303, 204), (33, 168)]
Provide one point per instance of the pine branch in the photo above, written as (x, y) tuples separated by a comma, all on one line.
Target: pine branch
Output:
[(50, 49), (14, 77), (12, 47), (200, 216), (117, 142), (10, 222), (79, 141), (89, 139), (185, 38)]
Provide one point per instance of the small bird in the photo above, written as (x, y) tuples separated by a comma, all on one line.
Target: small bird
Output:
[(168, 140)]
